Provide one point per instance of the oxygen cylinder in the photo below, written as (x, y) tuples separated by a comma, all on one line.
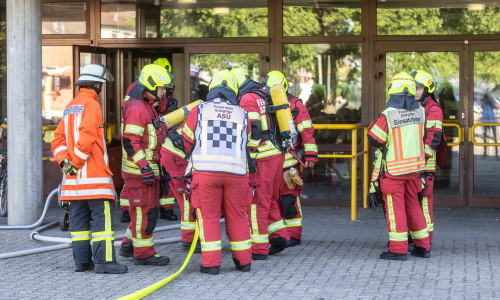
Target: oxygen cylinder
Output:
[(283, 112), (178, 116)]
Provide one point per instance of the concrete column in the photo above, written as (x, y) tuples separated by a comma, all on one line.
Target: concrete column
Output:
[(24, 110)]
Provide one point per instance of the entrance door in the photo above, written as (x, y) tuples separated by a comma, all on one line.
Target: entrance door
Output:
[(204, 61), (444, 63)]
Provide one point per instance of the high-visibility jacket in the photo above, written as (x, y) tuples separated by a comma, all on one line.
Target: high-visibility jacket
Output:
[(170, 151), (305, 140), (141, 140), (80, 138), (433, 132), (259, 122), (401, 136)]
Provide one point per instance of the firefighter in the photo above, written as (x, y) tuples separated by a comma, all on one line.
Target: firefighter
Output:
[(399, 133), (172, 158), (216, 133), (433, 140), (142, 137), (316, 102), (167, 104), (304, 149), (80, 150), (269, 234)]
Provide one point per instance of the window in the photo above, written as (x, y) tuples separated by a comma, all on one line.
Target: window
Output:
[(64, 18)]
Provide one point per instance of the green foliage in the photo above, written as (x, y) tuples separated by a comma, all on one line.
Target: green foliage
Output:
[(3, 30), (216, 62)]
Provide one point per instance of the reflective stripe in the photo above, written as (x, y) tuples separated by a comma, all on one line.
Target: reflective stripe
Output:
[(186, 209), (188, 132), (390, 212), (430, 227), (59, 149), (128, 233), (108, 230), (138, 156), (259, 238), (398, 236), (253, 143), (428, 150), (141, 243), (95, 180), (165, 201), (134, 129), (434, 123), (268, 153), (138, 222), (425, 209), (124, 202), (200, 225), (211, 246), (275, 226), (87, 192), (170, 147), (80, 236), (255, 224), (304, 125), (80, 154), (263, 121), (382, 135), (243, 245), (421, 234), (293, 222), (152, 138), (131, 170), (188, 225), (102, 236), (254, 115), (290, 161), (311, 147)]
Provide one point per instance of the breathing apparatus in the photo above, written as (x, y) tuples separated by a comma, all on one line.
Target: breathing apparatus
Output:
[(178, 116)]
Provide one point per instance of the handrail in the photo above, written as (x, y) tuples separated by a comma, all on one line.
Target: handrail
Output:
[(460, 133), (472, 136), (354, 164)]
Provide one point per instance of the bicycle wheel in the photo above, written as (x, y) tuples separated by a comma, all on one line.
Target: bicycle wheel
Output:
[(3, 196)]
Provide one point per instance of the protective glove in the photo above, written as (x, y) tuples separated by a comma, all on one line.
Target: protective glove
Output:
[(374, 197), (252, 166), (148, 176), (68, 168), (425, 184), (295, 177), (288, 180)]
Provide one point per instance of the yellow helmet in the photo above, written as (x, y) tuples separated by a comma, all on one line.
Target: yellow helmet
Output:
[(153, 76), (240, 74), (424, 79), (225, 79), (274, 78), (401, 83), (163, 62), (318, 90)]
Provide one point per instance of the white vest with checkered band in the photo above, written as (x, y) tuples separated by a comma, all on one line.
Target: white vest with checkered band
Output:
[(221, 138)]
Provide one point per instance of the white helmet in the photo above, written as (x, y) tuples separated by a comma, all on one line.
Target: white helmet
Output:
[(93, 74)]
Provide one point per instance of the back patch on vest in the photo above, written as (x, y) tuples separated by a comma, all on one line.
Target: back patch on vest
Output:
[(402, 117)]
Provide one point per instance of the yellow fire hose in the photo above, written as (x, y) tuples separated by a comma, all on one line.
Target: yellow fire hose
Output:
[(148, 290)]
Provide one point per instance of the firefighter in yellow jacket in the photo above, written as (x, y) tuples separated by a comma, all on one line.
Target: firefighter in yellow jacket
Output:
[(80, 150)]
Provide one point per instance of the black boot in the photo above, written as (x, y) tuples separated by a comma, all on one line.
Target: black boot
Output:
[(186, 246), (420, 252), (277, 245), (153, 260), (243, 268), (256, 256), (126, 250), (110, 268), (293, 242), (84, 267), (167, 214), (125, 217), (210, 270), (393, 256)]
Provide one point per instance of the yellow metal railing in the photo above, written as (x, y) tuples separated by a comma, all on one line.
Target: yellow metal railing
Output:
[(354, 164), (460, 133), (472, 136)]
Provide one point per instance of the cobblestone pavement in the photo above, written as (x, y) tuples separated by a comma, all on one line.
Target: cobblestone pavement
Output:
[(338, 259)]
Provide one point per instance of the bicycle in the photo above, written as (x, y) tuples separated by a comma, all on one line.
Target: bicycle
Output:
[(3, 174)]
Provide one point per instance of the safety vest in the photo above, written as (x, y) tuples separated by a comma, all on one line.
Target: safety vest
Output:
[(221, 138), (404, 151)]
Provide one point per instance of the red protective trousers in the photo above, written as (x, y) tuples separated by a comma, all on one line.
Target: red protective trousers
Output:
[(211, 191), (291, 207), (265, 211), (143, 216), (403, 213), (428, 204)]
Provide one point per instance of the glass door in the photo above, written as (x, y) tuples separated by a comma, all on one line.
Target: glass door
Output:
[(443, 62)]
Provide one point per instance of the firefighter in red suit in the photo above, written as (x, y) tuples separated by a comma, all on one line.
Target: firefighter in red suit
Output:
[(167, 104), (398, 133), (304, 145), (433, 139), (142, 137), (215, 134), (172, 158), (269, 234)]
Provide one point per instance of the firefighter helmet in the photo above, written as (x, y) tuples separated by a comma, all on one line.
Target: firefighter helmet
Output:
[(225, 79), (153, 76), (401, 83), (163, 62), (318, 90), (424, 79), (240, 74), (274, 78), (93, 74)]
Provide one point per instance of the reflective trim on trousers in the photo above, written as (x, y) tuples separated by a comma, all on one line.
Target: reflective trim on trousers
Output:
[(425, 209), (128, 234), (124, 202), (255, 223), (275, 226), (293, 222), (390, 212), (140, 243), (188, 225), (80, 236), (398, 236), (108, 230), (243, 245), (102, 236), (259, 238), (138, 222), (211, 246), (421, 234), (164, 201)]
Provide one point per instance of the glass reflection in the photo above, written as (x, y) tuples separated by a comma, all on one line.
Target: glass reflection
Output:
[(396, 17), (203, 66), (64, 18), (3, 82), (169, 19), (321, 18), (444, 68), (486, 110), (3, 15)]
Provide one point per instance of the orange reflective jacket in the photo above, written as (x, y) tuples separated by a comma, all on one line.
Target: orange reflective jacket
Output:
[(79, 137)]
